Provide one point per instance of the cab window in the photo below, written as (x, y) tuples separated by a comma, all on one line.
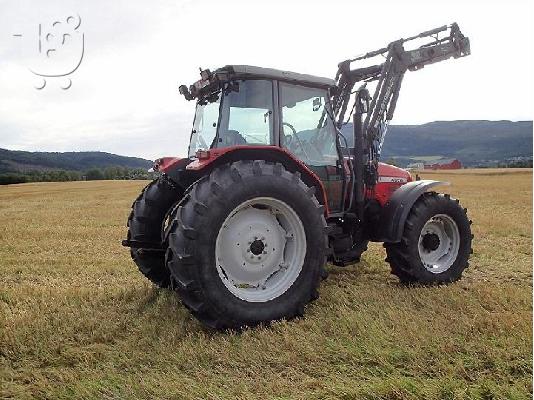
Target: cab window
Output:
[(247, 114), (307, 131)]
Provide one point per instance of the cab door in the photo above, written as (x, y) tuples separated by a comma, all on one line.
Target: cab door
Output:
[(309, 134)]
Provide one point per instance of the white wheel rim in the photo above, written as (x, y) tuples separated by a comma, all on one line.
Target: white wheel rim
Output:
[(260, 249), (439, 243)]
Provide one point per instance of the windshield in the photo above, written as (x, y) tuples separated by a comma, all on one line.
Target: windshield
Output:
[(245, 117), (204, 126)]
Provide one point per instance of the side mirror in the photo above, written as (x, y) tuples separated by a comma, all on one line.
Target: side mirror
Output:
[(317, 103)]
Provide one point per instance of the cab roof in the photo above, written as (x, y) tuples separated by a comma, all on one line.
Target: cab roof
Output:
[(249, 71)]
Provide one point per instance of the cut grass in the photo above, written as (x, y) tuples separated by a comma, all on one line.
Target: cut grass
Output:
[(78, 319)]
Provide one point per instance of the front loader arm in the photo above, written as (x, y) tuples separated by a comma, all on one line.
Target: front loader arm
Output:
[(389, 75)]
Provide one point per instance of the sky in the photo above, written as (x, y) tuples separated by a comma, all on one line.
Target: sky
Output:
[(123, 97)]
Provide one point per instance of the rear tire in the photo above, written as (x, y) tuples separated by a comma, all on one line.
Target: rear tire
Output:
[(436, 242), (248, 246), (146, 224)]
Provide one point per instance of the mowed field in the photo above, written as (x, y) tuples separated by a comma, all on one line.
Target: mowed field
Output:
[(79, 321)]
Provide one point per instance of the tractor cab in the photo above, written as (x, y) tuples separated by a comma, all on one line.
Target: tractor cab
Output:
[(253, 106), (260, 106)]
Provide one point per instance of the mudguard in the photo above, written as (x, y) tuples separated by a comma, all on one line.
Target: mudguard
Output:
[(186, 171), (175, 169), (396, 210), (216, 157)]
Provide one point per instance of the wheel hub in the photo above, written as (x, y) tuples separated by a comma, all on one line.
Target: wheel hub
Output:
[(439, 243), (260, 249), (430, 241), (257, 247)]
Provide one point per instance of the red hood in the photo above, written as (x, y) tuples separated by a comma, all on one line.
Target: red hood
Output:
[(386, 170)]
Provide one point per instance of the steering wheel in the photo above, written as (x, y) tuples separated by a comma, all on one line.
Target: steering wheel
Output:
[(290, 127), (291, 145)]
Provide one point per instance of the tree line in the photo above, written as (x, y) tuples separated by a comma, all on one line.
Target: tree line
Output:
[(515, 164), (93, 174)]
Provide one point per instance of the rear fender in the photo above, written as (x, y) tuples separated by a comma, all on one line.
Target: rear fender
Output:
[(396, 210), (217, 157), (165, 164), (174, 168)]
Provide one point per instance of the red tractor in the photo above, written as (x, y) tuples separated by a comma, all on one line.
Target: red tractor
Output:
[(272, 190)]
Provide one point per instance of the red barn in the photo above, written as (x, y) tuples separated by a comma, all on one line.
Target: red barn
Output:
[(445, 164)]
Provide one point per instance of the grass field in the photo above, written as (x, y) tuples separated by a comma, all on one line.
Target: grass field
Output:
[(79, 321)]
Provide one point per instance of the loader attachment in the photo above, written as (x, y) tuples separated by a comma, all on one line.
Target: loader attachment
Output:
[(445, 42)]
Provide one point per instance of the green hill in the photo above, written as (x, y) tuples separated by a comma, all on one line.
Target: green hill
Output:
[(25, 161), (472, 142)]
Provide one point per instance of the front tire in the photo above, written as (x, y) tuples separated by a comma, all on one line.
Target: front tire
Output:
[(248, 245), (436, 242)]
